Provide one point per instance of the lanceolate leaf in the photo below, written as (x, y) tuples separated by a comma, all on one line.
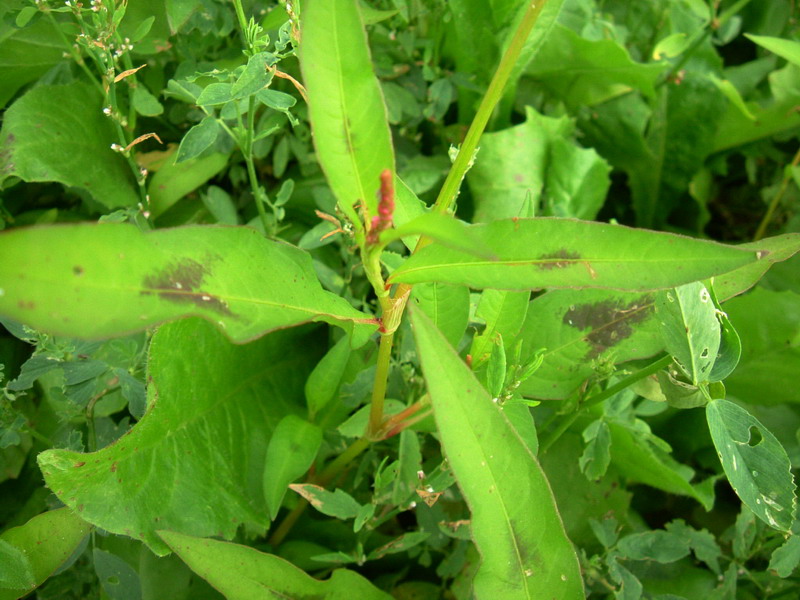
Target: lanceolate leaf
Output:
[(345, 103), (95, 281), (515, 524), (755, 463), (551, 252), (46, 541), (243, 573), (195, 462)]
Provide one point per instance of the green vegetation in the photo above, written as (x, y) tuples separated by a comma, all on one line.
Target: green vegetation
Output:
[(407, 299)]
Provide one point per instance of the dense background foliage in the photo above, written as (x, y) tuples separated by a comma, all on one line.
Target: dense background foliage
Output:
[(675, 115)]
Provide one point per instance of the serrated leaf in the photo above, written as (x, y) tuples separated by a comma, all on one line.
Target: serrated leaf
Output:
[(291, 451), (551, 252), (212, 407), (103, 280), (784, 559), (515, 524), (754, 462), (243, 573), (345, 104)]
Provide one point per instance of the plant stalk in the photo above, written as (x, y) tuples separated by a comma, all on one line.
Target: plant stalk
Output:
[(776, 200), (493, 95), (607, 393)]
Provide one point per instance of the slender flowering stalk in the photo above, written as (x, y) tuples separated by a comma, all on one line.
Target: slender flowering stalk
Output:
[(383, 220)]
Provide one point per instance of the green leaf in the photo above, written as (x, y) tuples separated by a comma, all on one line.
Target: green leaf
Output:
[(145, 103), (690, 329), (337, 504), (768, 323), (142, 29), (784, 560), (291, 451), (46, 542), (118, 579), (496, 369), (276, 100), (754, 462), (771, 250), (243, 573), (444, 229), (537, 162), (345, 104), (549, 252), (660, 546), (446, 305), (26, 54), (639, 460), (407, 207), (173, 181), (215, 93), (597, 455), (59, 133), (586, 72), (109, 279), (504, 313), (515, 524), (254, 78), (324, 380), (195, 461), (15, 569), (788, 49), (198, 139), (584, 331)]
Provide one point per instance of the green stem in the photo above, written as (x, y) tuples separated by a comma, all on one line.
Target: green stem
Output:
[(607, 393), (776, 200), (242, 20), (493, 95), (379, 386)]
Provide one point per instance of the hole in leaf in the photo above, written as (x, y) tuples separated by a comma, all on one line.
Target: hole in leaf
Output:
[(755, 437), (704, 353)]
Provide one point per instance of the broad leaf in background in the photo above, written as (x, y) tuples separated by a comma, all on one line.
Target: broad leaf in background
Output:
[(769, 326), (754, 462), (46, 541), (26, 54), (243, 573), (102, 280), (660, 148), (195, 462), (587, 72), (550, 252), (172, 181), (59, 133), (583, 331), (537, 162), (345, 104), (690, 329), (524, 550)]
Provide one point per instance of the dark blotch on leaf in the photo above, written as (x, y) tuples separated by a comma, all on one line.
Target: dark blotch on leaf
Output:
[(77, 270), (180, 283), (559, 260), (610, 322)]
